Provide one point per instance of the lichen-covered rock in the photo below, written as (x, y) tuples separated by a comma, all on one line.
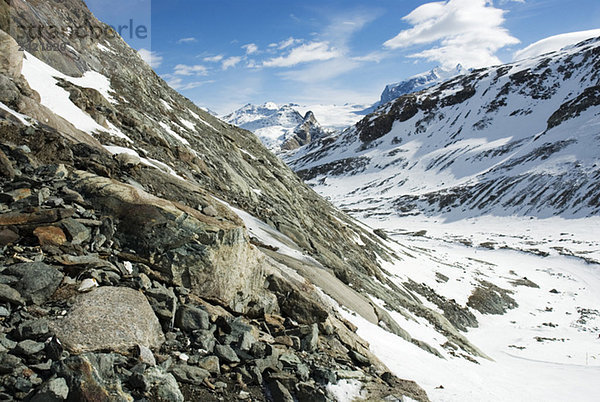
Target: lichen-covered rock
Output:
[(109, 318), (163, 386), (92, 378), (211, 257), (11, 60), (54, 390), (36, 281)]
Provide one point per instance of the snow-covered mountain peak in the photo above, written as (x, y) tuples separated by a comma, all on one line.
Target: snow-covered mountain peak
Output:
[(420, 82), (278, 127), (270, 105)]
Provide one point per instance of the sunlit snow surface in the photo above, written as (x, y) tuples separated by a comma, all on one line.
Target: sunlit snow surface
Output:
[(547, 349), (43, 79)]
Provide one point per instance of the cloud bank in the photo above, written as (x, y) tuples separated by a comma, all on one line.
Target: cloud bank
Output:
[(468, 32)]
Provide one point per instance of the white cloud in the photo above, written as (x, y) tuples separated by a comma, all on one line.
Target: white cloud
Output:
[(230, 62), (187, 40), (469, 32), (321, 72), (250, 48), (554, 43), (152, 58), (183, 69), (313, 51), (213, 59), (375, 56), (178, 84), (329, 54), (284, 44)]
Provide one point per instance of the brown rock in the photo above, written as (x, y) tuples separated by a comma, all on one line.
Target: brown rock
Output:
[(36, 217), (275, 321), (284, 340), (19, 194), (7, 237), (6, 168), (50, 236), (210, 364), (11, 60)]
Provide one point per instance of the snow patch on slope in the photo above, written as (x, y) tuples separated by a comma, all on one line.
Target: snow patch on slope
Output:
[(545, 349), (21, 117), (43, 79)]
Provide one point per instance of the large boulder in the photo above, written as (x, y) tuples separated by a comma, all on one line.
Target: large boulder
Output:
[(109, 318), (211, 256)]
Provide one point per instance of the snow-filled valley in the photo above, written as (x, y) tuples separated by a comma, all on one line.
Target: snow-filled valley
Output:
[(546, 349)]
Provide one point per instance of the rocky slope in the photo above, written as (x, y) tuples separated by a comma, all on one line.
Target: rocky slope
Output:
[(278, 127), (518, 139), (222, 275)]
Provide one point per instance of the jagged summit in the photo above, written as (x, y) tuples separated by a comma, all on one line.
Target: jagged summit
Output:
[(304, 133)]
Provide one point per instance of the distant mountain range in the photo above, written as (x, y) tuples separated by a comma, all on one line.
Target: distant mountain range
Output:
[(277, 125)]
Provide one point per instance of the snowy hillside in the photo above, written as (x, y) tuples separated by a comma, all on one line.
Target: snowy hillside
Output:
[(544, 347), (419, 82), (518, 139)]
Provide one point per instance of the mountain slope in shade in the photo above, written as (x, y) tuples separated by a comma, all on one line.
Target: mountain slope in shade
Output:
[(515, 139)]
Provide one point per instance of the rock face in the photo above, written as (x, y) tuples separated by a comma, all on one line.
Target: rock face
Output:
[(11, 60), (138, 332), (304, 133), (505, 140), (36, 282), (491, 299), (109, 318)]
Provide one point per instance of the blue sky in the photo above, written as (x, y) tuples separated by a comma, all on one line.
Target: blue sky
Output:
[(226, 53)]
